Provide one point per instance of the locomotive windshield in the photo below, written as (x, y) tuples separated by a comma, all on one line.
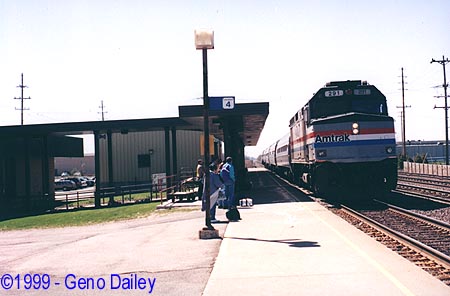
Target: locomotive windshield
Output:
[(323, 104)]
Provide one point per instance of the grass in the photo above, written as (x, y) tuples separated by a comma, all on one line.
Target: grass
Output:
[(80, 217)]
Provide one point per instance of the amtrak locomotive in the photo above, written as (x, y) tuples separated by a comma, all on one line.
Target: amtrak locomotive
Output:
[(342, 139)]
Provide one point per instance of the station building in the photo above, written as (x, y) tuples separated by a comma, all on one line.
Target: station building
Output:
[(123, 150), (432, 151), (144, 156)]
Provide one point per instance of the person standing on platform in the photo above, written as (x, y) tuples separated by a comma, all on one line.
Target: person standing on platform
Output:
[(229, 179), (200, 173), (215, 184)]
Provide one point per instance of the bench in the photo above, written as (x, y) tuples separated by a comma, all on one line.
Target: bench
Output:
[(180, 195)]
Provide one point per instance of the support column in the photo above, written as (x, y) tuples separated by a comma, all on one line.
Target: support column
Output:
[(234, 147), (174, 151), (110, 165), (110, 160), (216, 150), (167, 153), (46, 178), (97, 169), (239, 164), (27, 143)]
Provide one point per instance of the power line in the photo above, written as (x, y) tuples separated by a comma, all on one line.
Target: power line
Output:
[(21, 99), (443, 62)]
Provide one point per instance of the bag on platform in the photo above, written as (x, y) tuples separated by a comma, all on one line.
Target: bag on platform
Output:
[(233, 215)]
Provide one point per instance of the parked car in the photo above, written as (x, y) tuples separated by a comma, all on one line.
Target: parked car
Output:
[(89, 182), (65, 185), (78, 181)]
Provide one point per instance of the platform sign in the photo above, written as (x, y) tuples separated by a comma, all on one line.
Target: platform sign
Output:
[(159, 181), (228, 103), (221, 103)]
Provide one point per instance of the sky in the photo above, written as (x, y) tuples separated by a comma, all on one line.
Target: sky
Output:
[(139, 57)]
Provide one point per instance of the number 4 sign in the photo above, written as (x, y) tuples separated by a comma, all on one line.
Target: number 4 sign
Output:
[(228, 103)]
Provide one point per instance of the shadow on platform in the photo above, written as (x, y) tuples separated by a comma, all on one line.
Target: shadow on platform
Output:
[(296, 243)]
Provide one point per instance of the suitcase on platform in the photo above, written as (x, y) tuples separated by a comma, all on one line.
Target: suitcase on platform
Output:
[(233, 215), (246, 202)]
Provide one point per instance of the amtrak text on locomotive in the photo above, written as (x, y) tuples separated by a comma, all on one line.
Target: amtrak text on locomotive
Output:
[(333, 138)]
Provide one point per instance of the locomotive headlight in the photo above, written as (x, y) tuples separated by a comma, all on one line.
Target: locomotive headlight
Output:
[(389, 150), (355, 128)]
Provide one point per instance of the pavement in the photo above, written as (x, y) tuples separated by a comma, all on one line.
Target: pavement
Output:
[(284, 245), (162, 251), (301, 248)]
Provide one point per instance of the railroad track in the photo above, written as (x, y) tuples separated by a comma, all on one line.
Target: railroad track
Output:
[(420, 239), (438, 195), (435, 188), (424, 179)]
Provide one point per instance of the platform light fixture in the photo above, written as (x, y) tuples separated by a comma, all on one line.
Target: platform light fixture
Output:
[(204, 40)]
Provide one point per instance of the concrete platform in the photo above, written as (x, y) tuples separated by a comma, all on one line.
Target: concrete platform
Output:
[(163, 246), (301, 248)]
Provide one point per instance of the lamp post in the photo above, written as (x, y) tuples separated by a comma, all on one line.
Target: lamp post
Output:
[(204, 40)]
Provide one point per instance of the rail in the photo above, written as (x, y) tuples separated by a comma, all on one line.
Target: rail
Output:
[(169, 188), (75, 199), (404, 239)]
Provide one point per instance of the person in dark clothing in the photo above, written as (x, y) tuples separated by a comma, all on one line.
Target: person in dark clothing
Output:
[(215, 184)]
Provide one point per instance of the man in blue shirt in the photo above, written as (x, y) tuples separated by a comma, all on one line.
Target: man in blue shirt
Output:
[(229, 179)]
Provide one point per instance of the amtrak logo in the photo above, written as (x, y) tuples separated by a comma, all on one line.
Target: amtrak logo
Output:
[(333, 138)]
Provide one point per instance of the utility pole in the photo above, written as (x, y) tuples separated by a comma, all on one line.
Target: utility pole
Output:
[(403, 117), (22, 98), (443, 62), (103, 111)]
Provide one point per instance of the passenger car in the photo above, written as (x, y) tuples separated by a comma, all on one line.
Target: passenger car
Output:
[(78, 181), (65, 185)]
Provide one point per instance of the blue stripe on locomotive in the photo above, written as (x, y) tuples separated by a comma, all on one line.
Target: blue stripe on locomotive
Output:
[(355, 143)]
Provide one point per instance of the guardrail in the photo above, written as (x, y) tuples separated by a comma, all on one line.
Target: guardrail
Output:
[(73, 197), (162, 189)]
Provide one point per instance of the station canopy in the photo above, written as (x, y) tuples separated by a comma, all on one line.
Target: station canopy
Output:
[(247, 119)]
